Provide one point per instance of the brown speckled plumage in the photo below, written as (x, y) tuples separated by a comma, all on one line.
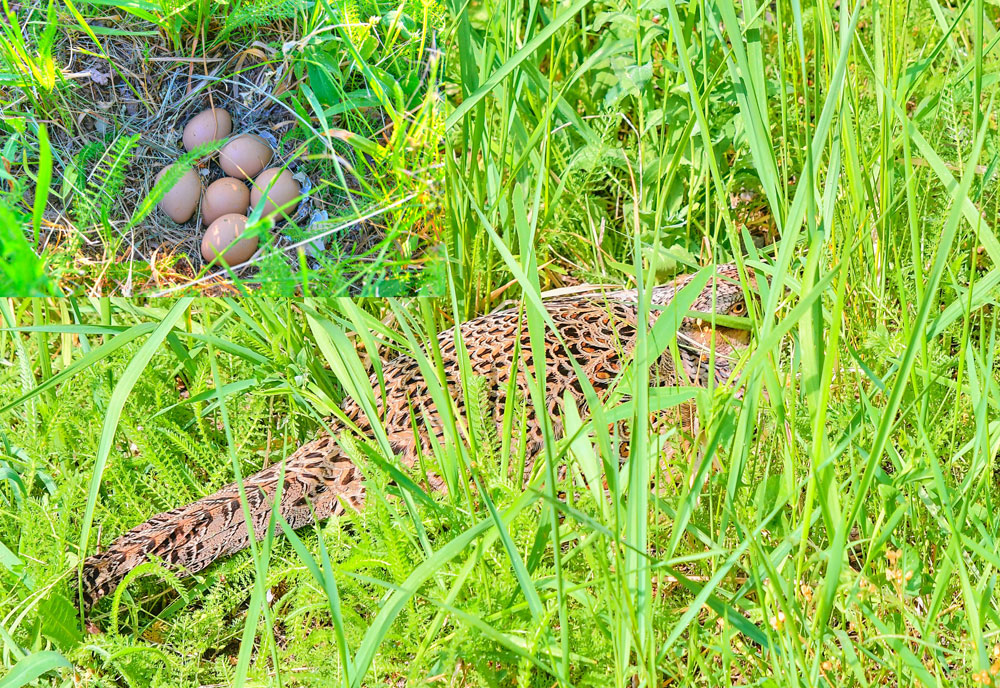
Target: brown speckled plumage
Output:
[(599, 331)]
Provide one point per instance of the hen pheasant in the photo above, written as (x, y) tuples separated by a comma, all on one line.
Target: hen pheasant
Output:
[(598, 331)]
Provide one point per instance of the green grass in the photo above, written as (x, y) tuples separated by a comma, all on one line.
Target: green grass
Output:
[(95, 95), (847, 530)]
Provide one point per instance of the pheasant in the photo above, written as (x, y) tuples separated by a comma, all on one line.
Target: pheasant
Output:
[(598, 331)]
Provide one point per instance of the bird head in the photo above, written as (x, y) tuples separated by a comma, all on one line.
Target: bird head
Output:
[(722, 296), (709, 328)]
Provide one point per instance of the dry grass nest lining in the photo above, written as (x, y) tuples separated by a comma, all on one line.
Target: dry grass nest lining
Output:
[(160, 94)]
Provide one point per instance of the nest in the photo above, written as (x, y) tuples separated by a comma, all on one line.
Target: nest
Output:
[(152, 93)]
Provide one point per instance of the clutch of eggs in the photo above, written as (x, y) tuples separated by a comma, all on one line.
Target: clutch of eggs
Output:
[(226, 201)]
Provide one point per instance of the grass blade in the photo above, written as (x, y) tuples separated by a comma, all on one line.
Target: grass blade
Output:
[(113, 415), (32, 667), (44, 180)]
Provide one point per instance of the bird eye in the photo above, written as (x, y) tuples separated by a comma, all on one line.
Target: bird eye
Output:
[(739, 309)]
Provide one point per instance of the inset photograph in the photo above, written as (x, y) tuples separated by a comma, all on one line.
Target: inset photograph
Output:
[(213, 148)]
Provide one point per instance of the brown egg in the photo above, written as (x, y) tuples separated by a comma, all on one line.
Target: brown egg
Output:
[(245, 156), (207, 125), (182, 199), (221, 234), (283, 190), (223, 197)]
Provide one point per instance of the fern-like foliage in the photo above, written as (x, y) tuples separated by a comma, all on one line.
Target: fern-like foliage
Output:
[(105, 180), (481, 422), (84, 160), (159, 446), (353, 21), (259, 13)]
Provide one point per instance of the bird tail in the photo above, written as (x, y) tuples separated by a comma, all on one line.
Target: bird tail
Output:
[(318, 478)]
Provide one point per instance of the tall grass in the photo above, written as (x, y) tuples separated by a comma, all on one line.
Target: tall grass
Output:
[(823, 116)]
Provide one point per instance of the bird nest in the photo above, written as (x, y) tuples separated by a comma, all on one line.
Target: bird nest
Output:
[(123, 123)]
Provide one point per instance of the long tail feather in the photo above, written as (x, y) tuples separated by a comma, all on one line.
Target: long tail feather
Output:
[(318, 475)]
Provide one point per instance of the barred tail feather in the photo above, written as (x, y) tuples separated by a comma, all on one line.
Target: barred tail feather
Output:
[(318, 476)]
